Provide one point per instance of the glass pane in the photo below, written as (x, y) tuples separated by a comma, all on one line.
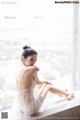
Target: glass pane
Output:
[(41, 24)]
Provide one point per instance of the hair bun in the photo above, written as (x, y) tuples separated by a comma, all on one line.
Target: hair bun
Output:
[(26, 47)]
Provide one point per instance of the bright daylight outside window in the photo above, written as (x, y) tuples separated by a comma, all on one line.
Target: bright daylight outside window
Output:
[(43, 25)]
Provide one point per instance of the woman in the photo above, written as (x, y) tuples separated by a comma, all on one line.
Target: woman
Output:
[(30, 101)]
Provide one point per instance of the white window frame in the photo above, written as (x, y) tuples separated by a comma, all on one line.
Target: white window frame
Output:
[(75, 84)]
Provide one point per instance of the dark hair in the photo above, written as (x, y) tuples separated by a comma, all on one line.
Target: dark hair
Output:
[(28, 51)]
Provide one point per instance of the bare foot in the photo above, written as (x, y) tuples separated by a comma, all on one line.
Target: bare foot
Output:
[(70, 96)]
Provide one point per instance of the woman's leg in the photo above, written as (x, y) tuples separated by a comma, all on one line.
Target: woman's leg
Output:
[(43, 91), (41, 88), (50, 88), (54, 90)]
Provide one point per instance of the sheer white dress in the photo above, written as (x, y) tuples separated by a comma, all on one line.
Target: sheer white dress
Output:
[(27, 102)]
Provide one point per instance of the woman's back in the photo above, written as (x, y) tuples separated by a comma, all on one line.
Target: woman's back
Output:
[(24, 80)]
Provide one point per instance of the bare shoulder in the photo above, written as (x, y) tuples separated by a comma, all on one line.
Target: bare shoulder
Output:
[(31, 69)]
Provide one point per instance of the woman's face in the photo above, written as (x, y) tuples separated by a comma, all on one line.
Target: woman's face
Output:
[(30, 61)]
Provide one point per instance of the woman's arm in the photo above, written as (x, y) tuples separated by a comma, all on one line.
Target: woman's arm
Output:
[(36, 79), (31, 69)]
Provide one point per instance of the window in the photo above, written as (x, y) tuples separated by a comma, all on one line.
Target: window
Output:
[(43, 25)]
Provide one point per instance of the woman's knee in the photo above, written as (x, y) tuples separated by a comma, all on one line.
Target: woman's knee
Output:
[(48, 86), (46, 89)]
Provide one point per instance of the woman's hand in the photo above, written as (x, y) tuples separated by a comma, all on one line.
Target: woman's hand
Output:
[(36, 68), (48, 82)]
